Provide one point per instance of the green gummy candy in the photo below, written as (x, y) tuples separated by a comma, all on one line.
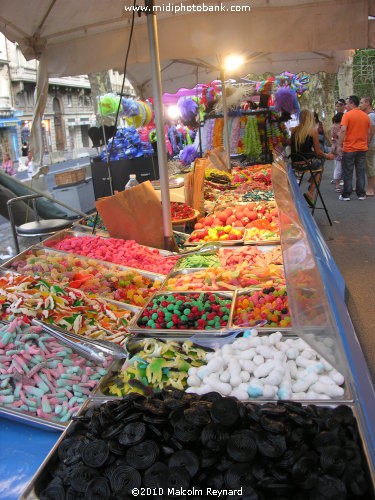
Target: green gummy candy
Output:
[(170, 324)]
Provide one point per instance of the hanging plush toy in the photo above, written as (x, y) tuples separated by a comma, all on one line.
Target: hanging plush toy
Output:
[(188, 109), (188, 155), (286, 100)]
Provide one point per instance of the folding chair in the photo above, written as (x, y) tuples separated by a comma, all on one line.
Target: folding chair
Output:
[(303, 166)]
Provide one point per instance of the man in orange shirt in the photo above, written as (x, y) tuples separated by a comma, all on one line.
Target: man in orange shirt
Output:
[(354, 137)]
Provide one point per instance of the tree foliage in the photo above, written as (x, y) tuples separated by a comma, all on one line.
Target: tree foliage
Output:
[(364, 73)]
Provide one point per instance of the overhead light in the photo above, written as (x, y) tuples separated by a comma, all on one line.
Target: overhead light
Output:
[(233, 62), (173, 112)]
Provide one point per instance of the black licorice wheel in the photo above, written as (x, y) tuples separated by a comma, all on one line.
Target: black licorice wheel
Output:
[(55, 490), (224, 411), (81, 476), (155, 476), (143, 455), (241, 446), (133, 433), (177, 478), (98, 489), (186, 459), (95, 453), (123, 478)]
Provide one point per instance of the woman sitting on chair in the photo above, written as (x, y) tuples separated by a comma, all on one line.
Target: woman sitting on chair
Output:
[(305, 146)]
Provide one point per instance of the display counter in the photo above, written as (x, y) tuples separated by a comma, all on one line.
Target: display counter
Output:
[(316, 296)]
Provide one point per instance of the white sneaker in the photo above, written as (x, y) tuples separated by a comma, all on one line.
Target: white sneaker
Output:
[(342, 198), (341, 183), (361, 197)]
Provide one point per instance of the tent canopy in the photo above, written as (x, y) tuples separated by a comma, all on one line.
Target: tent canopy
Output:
[(85, 36)]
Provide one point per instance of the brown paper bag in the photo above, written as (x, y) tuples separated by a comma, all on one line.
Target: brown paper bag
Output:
[(134, 214), (217, 159)]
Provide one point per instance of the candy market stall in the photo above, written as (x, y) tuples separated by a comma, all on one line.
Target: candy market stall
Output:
[(250, 321)]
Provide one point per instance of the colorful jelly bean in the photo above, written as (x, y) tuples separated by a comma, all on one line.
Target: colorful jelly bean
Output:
[(269, 304)]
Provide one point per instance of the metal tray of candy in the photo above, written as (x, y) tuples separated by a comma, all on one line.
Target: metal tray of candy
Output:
[(132, 345), (266, 328), (44, 473), (134, 327), (62, 235), (21, 416), (192, 271), (189, 242), (117, 303), (74, 233), (50, 251)]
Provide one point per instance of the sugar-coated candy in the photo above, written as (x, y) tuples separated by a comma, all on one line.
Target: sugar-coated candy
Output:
[(36, 380), (239, 366)]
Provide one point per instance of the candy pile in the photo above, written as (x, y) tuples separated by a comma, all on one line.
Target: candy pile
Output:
[(258, 195), (270, 304), (67, 308), (240, 215), (189, 311), (125, 252), (40, 376), (251, 256), (88, 275), (241, 276), (90, 222), (256, 175), (259, 234), (155, 365), (264, 367), (176, 442), (218, 233), (193, 261), (181, 211)]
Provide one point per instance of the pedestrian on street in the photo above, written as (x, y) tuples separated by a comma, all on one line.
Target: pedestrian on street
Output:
[(30, 165), (340, 106), (7, 165), (337, 150), (366, 106), (354, 138)]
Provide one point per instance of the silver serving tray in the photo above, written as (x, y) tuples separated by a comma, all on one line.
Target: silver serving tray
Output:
[(68, 233), (39, 422), (72, 233), (132, 342), (109, 265), (233, 326), (159, 333), (36, 482), (193, 270)]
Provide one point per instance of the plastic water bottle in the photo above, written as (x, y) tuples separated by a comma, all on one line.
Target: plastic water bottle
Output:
[(132, 181)]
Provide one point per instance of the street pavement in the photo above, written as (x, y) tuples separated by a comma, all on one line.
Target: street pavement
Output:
[(50, 177), (351, 240)]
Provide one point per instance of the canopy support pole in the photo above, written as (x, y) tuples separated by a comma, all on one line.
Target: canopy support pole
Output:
[(226, 121), (159, 122)]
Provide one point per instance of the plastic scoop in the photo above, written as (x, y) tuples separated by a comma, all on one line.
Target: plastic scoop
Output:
[(206, 249), (94, 350)]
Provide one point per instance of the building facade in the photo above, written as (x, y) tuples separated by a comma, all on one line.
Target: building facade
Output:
[(69, 110)]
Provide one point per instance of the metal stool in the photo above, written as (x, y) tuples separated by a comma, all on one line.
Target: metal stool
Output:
[(306, 165), (40, 227)]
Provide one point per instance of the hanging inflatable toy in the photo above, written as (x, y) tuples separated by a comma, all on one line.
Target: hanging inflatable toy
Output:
[(108, 104)]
